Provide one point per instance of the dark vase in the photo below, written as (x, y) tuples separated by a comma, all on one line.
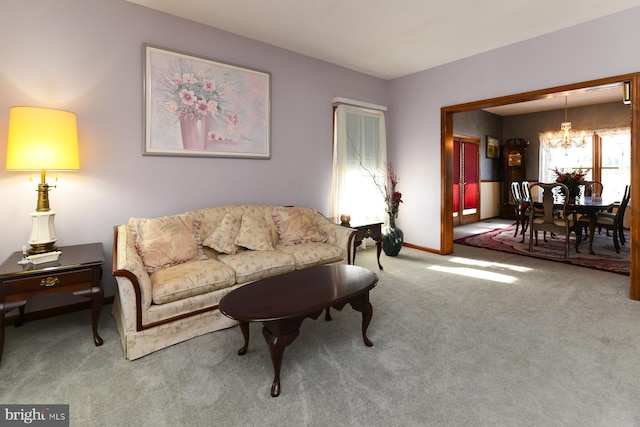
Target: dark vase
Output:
[(392, 238), (574, 193)]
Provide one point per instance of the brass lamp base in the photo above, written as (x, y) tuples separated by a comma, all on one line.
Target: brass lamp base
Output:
[(37, 249)]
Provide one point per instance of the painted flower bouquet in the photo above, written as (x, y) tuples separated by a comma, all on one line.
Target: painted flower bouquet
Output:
[(193, 95), (572, 179)]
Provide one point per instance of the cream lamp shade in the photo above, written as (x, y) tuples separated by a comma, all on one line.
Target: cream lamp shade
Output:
[(42, 139)]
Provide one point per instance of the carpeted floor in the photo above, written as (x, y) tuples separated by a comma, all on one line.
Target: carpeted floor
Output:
[(606, 258), (471, 339)]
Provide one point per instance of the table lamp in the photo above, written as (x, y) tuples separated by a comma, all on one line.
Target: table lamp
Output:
[(42, 139)]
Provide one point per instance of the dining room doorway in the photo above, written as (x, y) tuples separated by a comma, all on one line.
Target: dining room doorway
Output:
[(447, 152), (466, 180)]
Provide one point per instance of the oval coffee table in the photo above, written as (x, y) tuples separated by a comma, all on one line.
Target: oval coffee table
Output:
[(282, 302)]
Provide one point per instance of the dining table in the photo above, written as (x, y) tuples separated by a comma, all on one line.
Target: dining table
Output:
[(589, 207), (586, 206)]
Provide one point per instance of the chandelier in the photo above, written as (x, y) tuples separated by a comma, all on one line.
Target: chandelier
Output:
[(565, 137)]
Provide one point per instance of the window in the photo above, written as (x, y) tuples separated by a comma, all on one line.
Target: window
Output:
[(606, 157), (565, 159), (359, 159), (616, 161)]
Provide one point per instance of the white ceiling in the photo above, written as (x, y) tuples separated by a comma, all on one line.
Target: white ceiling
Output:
[(390, 38), (579, 98)]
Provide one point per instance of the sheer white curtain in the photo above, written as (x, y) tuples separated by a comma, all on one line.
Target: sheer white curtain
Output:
[(359, 161)]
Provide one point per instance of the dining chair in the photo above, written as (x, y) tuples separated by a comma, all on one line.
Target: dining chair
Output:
[(627, 192), (596, 188), (516, 195), (526, 193), (614, 221), (524, 207), (551, 214)]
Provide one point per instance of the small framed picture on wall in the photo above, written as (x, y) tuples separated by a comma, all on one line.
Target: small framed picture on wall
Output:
[(493, 147)]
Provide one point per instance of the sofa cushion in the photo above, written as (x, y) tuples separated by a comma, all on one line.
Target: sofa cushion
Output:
[(254, 234), (255, 265), (166, 241), (297, 225), (313, 253), (190, 279), (223, 237)]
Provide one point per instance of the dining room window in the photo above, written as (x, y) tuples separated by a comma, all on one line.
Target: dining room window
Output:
[(606, 157), (359, 162), (616, 161)]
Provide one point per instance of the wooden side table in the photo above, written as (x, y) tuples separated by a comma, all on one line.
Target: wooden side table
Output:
[(78, 270), (364, 230)]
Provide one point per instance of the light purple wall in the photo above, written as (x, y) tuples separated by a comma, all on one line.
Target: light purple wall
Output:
[(601, 48), (86, 56)]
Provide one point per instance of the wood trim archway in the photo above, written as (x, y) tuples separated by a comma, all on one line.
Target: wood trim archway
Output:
[(446, 162)]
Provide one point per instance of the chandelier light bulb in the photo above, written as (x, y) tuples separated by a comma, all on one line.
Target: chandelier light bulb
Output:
[(566, 137)]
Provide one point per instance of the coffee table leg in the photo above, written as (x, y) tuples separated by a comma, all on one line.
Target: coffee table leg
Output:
[(276, 348), (244, 327), (278, 335), (363, 305)]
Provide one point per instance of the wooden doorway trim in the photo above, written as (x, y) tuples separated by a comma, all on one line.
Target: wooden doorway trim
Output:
[(446, 161)]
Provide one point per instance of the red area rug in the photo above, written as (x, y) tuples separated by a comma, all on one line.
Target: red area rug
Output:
[(606, 258)]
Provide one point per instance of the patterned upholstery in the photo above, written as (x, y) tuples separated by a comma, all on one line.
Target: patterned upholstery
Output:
[(254, 234), (312, 253), (166, 241), (297, 225), (224, 236), (250, 266), (190, 279), (178, 300)]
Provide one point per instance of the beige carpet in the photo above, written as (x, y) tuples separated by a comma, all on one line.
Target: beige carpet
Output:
[(478, 338)]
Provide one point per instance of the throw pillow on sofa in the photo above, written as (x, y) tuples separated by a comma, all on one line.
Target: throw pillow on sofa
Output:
[(223, 237), (254, 234), (166, 241), (297, 225)]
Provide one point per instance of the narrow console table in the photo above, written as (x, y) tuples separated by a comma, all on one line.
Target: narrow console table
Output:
[(78, 270), (364, 230)]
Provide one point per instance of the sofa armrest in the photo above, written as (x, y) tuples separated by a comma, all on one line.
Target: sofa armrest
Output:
[(339, 235), (134, 284)]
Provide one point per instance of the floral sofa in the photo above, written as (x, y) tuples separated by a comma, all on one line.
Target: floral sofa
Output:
[(172, 271)]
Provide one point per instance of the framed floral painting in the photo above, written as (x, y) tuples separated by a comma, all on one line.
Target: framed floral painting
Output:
[(198, 107)]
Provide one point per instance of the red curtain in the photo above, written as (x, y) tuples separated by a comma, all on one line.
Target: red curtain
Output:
[(471, 176)]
